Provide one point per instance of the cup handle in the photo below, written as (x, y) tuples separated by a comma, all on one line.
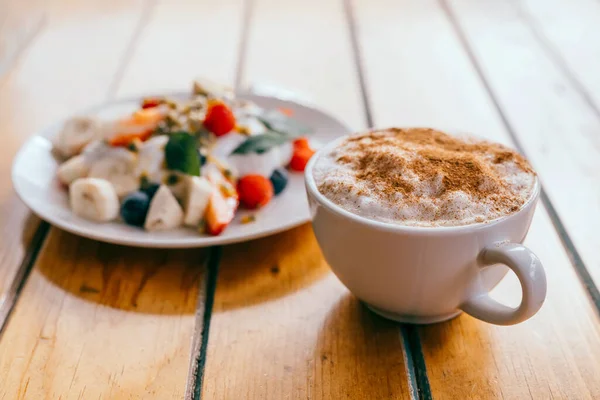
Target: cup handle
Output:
[(529, 270)]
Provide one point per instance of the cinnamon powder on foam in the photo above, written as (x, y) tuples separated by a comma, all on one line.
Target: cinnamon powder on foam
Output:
[(425, 177)]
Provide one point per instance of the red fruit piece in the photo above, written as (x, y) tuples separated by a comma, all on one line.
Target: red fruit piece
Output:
[(219, 213), (301, 143), (219, 118), (300, 158), (255, 191), (150, 102)]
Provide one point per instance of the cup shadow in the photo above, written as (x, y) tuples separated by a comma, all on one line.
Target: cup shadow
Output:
[(358, 354), (269, 268), (150, 281)]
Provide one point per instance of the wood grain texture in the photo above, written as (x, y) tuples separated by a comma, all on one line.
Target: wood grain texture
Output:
[(284, 327), (569, 30), (104, 321), (47, 84), (180, 43), (554, 123), (304, 47), (553, 354), (19, 23)]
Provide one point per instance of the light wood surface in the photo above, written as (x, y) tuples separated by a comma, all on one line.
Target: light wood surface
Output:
[(275, 300), (102, 321), (140, 305), (284, 327), (569, 30), (45, 84), (552, 120), (290, 46), (552, 355)]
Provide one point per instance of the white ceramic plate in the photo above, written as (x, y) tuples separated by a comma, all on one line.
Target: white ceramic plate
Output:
[(34, 179)]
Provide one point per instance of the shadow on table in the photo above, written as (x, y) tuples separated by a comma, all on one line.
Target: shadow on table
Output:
[(266, 269), (151, 281), (359, 354)]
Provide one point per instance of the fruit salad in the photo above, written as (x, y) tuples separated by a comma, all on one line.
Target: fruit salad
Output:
[(180, 162)]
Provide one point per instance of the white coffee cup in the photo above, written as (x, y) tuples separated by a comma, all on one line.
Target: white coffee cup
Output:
[(429, 274)]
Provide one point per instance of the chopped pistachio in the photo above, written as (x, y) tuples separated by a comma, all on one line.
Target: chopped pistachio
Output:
[(244, 130), (172, 179), (144, 180), (246, 219), (202, 226)]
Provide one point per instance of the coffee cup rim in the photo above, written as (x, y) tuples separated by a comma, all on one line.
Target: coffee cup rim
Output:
[(396, 227)]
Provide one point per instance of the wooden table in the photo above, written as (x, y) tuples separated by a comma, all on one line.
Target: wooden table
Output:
[(266, 319)]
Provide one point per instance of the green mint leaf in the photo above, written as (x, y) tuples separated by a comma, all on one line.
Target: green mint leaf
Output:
[(262, 143), (181, 154), (278, 122)]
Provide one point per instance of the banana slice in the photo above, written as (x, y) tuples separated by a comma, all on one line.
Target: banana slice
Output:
[(196, 200), (72, 169), (99, 149), (209, 88), (76, 134), (119, 169), (94, 199), (165, 212)]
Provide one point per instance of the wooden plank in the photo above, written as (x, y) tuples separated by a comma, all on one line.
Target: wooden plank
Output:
[(554, 353), (293, 46), (185, 40), (553, 122), (282, 325), (569, 31), (48, 84), (104, 321), (19, 23)]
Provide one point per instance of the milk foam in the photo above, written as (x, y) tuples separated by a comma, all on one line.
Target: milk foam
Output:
[(338, 182)]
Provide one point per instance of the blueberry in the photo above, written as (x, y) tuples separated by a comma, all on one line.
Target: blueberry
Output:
[(202, 157), (135, 207), (150, 189), (279, 179)]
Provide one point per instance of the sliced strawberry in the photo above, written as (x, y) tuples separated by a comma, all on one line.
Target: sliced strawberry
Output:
[(300, 158), (219, 213), (219, 118), (150, 102), (255, 191), (301, 143), (222, 205)]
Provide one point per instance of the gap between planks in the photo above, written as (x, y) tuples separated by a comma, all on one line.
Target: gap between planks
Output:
[(574, 256), (204, 307), (34, 248), (415, 362), (416, 368), (7, 303), (208, 285)]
